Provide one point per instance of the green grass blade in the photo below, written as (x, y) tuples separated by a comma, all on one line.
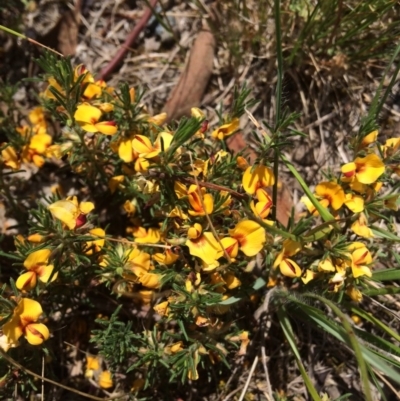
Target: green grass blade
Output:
[(372, 319), (288, 332), (386, 275), (351, 340)]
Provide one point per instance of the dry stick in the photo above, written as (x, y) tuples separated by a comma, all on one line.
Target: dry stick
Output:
[(42, 399), (20, 35), (264, 363), (117, 59), (257, 314), (125, 241), (29, 372), (253, 367), (213, 186)]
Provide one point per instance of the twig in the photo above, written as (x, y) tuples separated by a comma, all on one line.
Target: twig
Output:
[(213, 186), (117, 59), (125, 241), (253, 367), (20, 35), (264, 363)]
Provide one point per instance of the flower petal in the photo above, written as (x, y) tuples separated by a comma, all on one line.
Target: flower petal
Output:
[(36, 333), (37, 258)]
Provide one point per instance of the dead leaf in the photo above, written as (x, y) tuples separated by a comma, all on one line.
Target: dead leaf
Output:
[(194, 80), (68, 29)]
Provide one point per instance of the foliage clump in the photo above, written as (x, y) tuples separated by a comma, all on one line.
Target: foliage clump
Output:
[(173, 237)]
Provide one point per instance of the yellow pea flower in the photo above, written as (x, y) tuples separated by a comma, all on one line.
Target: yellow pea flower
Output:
[(166, 258), (105, 379), (196, 201), (23, 322), (70, 212), (149, 236), (137, 259), (354, 202), (10, 158), (360, 259), (329, 194), (144, 148), (162, 308), (250, 236), (257, 177), (206, 247), (38, 267), (360, 227), (368, 139), (391, 146), (88, 116), (98, 243), (287, 266), (365, 169), (354, 293), (150, 280), (263, 207), (226, 130)]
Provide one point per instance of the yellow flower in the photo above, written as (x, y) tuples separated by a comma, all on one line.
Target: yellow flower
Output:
[(361, 228), (151, 280), (158, 119), (365, 169), (226, 130), (146, 236), (231, 246), (368, 139), (92, 366), (354, 202), (126, 151), (354, 293), (337, 281), (195, 231), (263, 207), (250, 235), (174, 348), (360, 259), (23, 322), (231, 281), (70, 212), (37, 265), (95, 245), (242, 163), (88, 116), (10, 158), (144, 148), (105, 379), (391, 146), (55, 85), (326, 266), (166, 258), (257, 177), (36, 117), (287, 266), (114, 182), (162, 308), (178, 212), (137, 261), (328, 194), (206, 247), (308, 276), (196, 201)]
